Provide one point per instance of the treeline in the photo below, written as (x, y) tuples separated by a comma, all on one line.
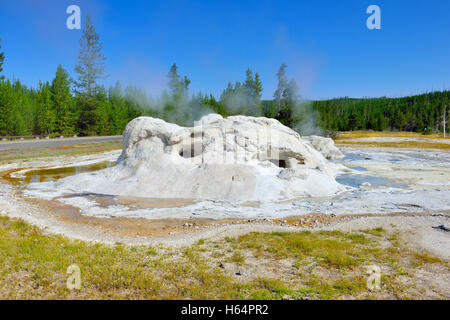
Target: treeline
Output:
[(82, 106), (420, 113), (57, 108), (52, 109), (65, 105)]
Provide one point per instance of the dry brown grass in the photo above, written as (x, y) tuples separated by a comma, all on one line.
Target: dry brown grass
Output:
[(400, 134), (403, 144), (72, 150)]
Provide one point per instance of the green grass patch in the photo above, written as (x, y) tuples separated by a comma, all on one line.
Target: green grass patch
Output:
[(421, 258), (237, 257), (379, 232), (325, 265), (328, 248)]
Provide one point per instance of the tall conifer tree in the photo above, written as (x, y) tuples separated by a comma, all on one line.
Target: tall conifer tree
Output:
[(90, 68), (91, 62), (2, 59), (46, 114), (62, 101)]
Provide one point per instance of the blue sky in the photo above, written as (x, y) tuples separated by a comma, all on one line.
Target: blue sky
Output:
[(326, 44)]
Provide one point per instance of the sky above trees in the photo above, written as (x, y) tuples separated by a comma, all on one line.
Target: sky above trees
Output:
[(326, 45)]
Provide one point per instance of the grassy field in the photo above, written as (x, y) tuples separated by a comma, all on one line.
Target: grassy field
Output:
[(405, 144), (399, 134), (345, 139), (304, 265)]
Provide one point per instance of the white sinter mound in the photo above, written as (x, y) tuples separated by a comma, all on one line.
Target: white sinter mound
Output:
[(325, 146), (234, 158)]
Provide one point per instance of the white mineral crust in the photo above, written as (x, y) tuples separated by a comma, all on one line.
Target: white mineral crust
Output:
[(234, 158)]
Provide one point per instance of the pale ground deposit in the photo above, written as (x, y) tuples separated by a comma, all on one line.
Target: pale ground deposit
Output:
[(306, 177)]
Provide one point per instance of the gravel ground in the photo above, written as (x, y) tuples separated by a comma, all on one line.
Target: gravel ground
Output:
[(417, 232)]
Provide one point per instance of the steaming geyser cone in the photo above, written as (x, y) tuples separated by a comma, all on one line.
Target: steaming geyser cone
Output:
[(325, 146), (234, 158)]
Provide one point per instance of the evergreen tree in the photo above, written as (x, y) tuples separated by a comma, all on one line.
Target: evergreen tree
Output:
[(91, 68), (249, 94), (62, 101), (176, 104), (20, 128), (268, 109), (226, 94), (46, 114), (87, 119), (174, 80), (2, 59), (258, 87), (6, 100), (286, 113), (243, 98), (91, 62), (249, 83), (18, 107), (178, 85), (103, 113), (287, 100), (352, 123)]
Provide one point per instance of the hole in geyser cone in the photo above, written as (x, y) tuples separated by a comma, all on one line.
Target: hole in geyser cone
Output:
[(279, 162), (197, 134), (190, 152)]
